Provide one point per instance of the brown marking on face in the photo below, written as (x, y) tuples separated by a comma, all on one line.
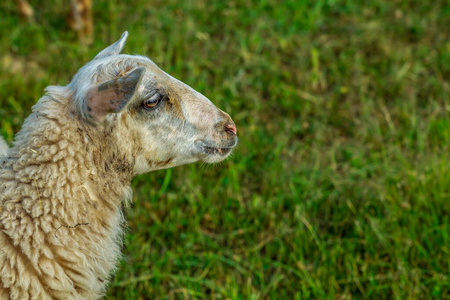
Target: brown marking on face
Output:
[(132, 113), (124, 71), (166, 162), (174, 107), (158, 163), (124, 118), (150, 163)]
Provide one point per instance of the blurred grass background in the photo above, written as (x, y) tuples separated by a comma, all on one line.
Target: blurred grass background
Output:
[(339, 188)]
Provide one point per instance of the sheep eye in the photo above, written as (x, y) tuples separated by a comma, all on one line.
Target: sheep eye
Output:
[(152, 100)]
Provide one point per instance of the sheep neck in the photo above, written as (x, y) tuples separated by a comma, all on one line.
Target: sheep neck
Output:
[(69, 187)]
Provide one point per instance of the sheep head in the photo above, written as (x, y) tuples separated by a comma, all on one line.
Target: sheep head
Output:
[(158, 120)]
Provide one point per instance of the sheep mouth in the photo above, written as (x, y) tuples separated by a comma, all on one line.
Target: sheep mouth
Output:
[(212, 149)]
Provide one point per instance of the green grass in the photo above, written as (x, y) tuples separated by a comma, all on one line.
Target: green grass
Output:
[(340, 186)]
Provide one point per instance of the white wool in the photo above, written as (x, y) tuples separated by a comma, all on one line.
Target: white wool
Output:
[(65, 179)]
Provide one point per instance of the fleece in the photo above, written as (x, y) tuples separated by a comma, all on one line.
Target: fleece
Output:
[(65, 179)]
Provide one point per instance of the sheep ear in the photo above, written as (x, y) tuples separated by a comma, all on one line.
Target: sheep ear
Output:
[(112, 96), (115, 48)]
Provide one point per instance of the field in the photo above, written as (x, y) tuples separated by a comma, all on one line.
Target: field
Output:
[(340, 185)]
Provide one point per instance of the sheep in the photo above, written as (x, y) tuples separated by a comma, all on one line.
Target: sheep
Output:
[(67, 175)]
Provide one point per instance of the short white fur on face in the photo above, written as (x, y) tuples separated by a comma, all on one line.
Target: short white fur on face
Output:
[(63, 183)]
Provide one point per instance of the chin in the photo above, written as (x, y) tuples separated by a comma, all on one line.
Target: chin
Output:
[(212, 159)]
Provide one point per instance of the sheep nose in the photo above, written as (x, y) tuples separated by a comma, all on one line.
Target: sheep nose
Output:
[(230, 129)]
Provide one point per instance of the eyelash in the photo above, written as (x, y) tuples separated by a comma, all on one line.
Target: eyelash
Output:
[(153, 100)]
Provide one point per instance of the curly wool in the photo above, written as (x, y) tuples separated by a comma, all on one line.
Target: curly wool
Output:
[(63, 183), (58, 239)]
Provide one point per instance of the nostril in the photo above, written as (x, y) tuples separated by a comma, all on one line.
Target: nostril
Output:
[(230, 129)]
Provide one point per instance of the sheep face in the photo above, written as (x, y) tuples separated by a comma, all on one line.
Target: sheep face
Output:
[(156, 119)]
